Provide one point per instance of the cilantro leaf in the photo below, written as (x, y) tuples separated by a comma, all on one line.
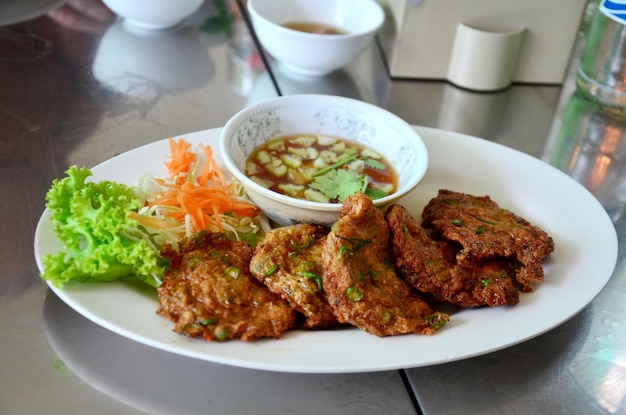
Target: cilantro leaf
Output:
[(375, 193), (339, 184), (375, 164)]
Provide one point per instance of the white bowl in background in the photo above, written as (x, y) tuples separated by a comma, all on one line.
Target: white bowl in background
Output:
[(153, 14), (330, 115), (311, 53)]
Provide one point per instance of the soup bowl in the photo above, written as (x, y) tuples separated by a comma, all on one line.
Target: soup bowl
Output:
[(309, 114), (153, 14), (315, 53)]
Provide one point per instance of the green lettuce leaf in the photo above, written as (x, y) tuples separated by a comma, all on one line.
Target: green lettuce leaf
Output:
[(100, 239)]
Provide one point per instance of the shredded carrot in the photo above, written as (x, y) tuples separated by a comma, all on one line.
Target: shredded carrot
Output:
[(204, 198), (211, 170), (181, 159)]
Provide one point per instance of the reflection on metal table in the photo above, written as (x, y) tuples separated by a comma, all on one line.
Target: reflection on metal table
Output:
[(82, 94)]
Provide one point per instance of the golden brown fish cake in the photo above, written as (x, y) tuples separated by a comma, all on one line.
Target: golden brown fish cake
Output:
[(486, 230), (289, 262), (360, 284), (208, 292), (430, 267)]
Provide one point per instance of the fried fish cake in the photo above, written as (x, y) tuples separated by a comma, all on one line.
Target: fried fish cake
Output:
[(486, 230), (361, 286), (208, 292), (289, 262), (430, 267)]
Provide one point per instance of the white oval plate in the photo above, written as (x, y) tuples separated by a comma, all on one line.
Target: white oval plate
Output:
[(581, 265)]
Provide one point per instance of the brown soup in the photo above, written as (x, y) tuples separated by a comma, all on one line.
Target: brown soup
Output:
[(317, 28), (320, 168)]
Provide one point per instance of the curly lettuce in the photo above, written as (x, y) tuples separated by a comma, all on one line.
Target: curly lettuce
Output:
[(101, 240)]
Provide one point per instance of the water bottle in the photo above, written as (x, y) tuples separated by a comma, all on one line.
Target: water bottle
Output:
[(590, 146), (602, 70)]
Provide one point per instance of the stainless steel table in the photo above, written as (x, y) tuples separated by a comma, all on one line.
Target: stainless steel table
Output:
[(69, 94)]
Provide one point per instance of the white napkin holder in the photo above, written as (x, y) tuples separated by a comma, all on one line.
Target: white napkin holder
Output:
[(481, 45)]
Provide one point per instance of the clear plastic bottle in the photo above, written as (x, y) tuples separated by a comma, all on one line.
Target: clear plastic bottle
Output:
[(602, 69), (590, 146)]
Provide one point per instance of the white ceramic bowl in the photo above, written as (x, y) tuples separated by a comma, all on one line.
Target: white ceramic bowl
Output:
[(310, 53), (347, 118), (153, 14)]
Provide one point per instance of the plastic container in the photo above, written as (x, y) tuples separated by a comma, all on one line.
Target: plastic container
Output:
[(602, 69), (590, 146)]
